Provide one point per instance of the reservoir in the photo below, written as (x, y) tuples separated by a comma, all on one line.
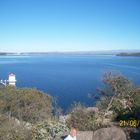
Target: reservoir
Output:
[(69, 78)]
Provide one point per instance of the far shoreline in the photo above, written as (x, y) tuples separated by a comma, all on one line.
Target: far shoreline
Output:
[(110, 52)]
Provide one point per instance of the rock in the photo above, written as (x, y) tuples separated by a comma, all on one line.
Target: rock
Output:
[(85, 135), (112, 133)]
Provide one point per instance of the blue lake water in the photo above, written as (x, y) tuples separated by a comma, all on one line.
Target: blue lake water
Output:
[(67, 77)]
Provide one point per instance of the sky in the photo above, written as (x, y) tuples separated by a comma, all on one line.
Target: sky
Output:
[(69, 25)]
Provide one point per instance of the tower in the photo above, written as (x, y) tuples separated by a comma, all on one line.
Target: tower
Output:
[(12, 79)]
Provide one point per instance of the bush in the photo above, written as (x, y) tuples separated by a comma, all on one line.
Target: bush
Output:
[(84, 119), (26, 104), (48, 130), (11, 130)]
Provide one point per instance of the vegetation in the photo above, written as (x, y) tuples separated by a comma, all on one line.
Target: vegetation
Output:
[(20, 110), (26, 114), (11, 129), (120, 99), (117, 94), (84, 119), (27, 105), (49, 129)]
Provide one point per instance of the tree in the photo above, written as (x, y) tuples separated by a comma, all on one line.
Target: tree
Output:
[(135, 98), (118, 91)]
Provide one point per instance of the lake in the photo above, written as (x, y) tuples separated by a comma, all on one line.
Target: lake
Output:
[(68, 78)]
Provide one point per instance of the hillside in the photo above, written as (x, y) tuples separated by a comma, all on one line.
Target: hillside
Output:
[(129, 54)]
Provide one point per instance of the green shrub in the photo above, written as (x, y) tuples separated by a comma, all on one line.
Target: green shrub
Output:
[(11, 130), (84, 119), (25, 104), (48, 130)]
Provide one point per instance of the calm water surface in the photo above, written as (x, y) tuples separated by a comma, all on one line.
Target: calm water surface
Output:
[(67, 77)]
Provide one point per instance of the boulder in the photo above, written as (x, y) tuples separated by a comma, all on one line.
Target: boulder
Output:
[(111, 133), (84, 135)]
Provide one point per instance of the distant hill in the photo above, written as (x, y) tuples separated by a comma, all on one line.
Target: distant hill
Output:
[(129, 54), (1, 53), (7, 53), (103, 52)]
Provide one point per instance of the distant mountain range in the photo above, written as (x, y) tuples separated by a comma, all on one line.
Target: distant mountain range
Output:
[(107, 52)]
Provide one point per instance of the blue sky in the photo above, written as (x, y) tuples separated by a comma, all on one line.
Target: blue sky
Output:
[(69, 25)]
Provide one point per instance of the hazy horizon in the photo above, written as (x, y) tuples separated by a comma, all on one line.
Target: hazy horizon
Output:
[(87, 51)]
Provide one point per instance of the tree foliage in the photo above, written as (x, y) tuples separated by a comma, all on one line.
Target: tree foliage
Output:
[(119, 99), (120, 96)]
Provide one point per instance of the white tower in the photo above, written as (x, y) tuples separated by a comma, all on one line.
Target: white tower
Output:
[(12, 79)]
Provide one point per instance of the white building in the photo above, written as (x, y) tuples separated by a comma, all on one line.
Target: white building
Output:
[(12, 79)]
